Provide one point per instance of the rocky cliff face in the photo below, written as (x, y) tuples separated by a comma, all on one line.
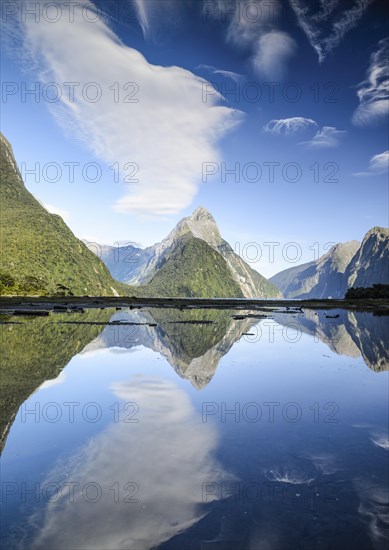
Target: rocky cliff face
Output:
[(323, 278), (370, 265)]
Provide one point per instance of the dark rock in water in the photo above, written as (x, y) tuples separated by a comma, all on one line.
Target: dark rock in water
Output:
[(249, 316), (194, 322), (32, 313)]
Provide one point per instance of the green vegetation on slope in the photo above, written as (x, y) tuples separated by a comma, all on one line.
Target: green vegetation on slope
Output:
[(39, 255), (193, 268)]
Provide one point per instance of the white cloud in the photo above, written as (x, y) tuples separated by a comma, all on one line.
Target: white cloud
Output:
[(340, 22), (290, 126), (169, 132), (236, 77), (378, 164), (65, 215), (373, 93), (271, 54), (328, 136)]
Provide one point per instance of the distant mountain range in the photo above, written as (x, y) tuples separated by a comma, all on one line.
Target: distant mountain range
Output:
[(346, 265), (41, 256)]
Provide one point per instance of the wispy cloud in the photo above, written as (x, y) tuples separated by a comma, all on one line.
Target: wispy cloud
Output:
[(166, 134), (272, 51), (236, 77), (143, 17), (253, 27), (290, 126), (154, 15), (378, 164), (373, 93), (325, 29), (328, 136), (249, 19)]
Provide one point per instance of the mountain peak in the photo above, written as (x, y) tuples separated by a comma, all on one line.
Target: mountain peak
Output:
[(201, 213), (381, 233), (202, 225)]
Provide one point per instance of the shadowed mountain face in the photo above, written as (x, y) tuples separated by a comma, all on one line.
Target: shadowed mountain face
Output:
[(347, 333), (370, 265), (346, 265), (136, 266), (39, 253), (323, 278)]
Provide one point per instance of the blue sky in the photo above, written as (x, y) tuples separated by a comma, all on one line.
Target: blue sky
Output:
[(172, 96)]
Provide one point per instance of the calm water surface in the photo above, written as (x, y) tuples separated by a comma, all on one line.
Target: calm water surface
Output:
[(195, 430)]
